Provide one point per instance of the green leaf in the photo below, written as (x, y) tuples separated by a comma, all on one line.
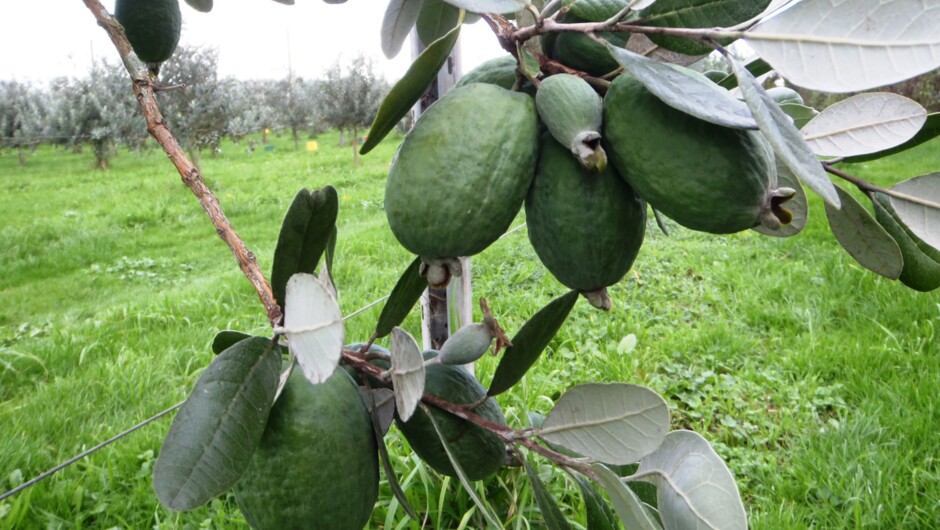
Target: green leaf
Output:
[(530, 341), (409, 89), (629, 507), (921, 261), (923, 221), (697, 14), (595, 10), (798, 206), (331, 253), (695, 489), (616, 423), (464, 481), (863, 238), (227, 338), (215, 433), (529, 63), (686, 90), (203, 6), (377, 429), (757, 67), (403, 298), (400, 17), (548, 506), (305, 233), (929, 131), (801, 114), (783, 136), (435, 20), (598, 513)]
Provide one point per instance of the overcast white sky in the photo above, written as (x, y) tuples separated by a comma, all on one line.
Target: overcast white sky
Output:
[(42, 39)]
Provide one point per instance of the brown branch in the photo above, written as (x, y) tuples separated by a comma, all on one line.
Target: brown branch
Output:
[(868, 187), (190, 174)]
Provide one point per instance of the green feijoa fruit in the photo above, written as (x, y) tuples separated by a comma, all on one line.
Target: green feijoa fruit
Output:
[(316, 467), (783, 95), (573, 113), (467, 345), (462, 172), (586, 228), (581, 52), (500, 72), (921, 270), (704, 176), (152, 27), (479, 452)]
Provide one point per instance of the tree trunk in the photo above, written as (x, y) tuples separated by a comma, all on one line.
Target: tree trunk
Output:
[(355, 146), (102, 154), (342, 137), (21, 156), (293, 130), (264, 135)]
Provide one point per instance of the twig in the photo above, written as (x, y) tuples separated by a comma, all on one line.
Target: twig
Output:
[(190, 174), (869, 187)]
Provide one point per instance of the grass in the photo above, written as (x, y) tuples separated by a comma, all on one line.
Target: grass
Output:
[(815, 379)]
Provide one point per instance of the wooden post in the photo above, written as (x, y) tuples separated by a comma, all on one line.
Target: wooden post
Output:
[(443, 310)]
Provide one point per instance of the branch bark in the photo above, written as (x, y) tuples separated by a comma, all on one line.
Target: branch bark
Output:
[(190, 174)]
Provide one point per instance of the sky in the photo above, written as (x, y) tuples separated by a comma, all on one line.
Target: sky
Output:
[(43, 39)]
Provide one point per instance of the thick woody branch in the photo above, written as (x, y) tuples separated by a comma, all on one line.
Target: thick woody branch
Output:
[(190, 174)]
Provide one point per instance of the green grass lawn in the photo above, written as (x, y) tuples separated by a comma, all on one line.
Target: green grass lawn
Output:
[(815, 379)]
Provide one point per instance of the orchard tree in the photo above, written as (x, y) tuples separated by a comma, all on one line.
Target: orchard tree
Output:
[(297, 107), (253, 108), (349, 95), (23, 114), (587, 136)]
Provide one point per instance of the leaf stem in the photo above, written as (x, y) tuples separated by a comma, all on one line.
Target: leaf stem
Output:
[(869, 187)]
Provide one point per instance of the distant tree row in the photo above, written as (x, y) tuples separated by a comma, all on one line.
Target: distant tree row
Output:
[(85, 111)]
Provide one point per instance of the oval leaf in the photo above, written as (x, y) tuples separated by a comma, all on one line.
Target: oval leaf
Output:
[(404, 296), (598, 514), (551, 513), (697, 14), (685, 90), (629, 507), (215, 433), (801, 114), (227, 338), (597, 10), (400, 17), (863, 238), (203, 6), (490, 6), (530, 342), (314, 328), (922, 220), (866, 123), (435, 20), (305, 234), (788, 143), (616, 423), (695, 489), (409, 89), (407, 373), (929, 131), (798, 206), (839, 46)]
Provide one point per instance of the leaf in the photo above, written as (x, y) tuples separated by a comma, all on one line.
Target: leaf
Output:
[(866, 123), (400, 17), (616, 423), (203, 6), (407, 373), (314, 328), (490, 6), (863, 238), (530, 341), (381, 405), (695, 489), (929, 131), (798, 206), (529, 64), (801, 114), (597, 512), (404, 296), (225, 339), (697, 14), (409, 89), (757, 67), (330, 253), (923, 221), (305, 233), (629, 507), (596, 10), (548, 506), (215, 433), (786, 139), (437, 17), (685, 90), (484, 509), (840, 46)]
